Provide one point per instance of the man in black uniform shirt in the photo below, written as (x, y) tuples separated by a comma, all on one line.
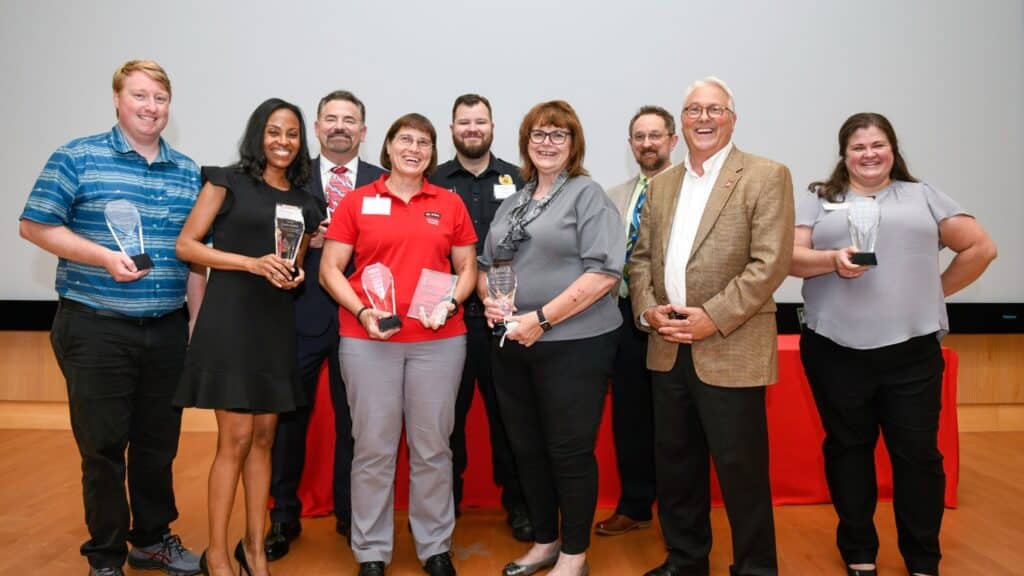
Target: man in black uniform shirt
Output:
[(483, 182)]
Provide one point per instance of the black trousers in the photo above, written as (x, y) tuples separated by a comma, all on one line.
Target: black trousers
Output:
[(288, 456), (121, 376), (692, 421), (551, 396), (477, 369), (633, 419), (896, 389)]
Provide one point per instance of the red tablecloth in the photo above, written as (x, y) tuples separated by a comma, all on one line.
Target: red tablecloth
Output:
[(795, 437)]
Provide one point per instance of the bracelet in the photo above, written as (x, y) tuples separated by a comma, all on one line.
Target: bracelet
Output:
[(359, 314)]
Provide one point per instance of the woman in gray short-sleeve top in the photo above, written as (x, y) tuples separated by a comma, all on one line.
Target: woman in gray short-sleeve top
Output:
[(871, 342)]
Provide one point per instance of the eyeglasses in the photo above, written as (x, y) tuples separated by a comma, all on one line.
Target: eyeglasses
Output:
[(653, 137), (409, 141), (557, 137), (696, 110)]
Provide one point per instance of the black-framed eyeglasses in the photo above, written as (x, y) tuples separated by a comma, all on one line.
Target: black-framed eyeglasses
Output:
[(696, 110), (557, 137), (653, 137)]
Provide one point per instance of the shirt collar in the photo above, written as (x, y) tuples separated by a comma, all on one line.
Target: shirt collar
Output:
[(713, 164), (121, 145), (380, 187), (456, 167), (326, 166)]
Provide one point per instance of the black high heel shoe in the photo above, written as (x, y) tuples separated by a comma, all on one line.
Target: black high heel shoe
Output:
[(243, 563), (203, 567)]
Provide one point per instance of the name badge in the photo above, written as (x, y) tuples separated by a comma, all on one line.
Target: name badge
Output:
[(832, 206), (502, 191), (377, 205)]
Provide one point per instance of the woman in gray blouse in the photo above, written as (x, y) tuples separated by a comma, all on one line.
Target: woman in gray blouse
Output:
[(565, 241), (871, 342)]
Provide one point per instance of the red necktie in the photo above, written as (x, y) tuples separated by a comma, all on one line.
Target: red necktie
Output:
[(339, 185)]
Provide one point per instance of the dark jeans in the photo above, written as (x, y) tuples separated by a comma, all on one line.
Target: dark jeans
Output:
[(288, 456), (477, 368), (896, 389), (692, 421), (551, 396), (633, 419), (121, 376)]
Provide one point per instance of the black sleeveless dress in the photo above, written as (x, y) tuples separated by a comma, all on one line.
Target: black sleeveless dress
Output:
[(242, 354)]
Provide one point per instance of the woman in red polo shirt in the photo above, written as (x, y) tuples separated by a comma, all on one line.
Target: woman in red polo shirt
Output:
[(408, 373)]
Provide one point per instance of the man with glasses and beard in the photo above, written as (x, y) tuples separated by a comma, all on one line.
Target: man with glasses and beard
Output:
[(483, 181), (340, 129), (652, 137)]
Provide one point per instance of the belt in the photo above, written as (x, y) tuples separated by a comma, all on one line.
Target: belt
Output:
[(136, 320)]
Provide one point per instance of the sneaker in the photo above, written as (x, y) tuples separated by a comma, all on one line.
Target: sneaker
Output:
[(168, 555), (105, 571)]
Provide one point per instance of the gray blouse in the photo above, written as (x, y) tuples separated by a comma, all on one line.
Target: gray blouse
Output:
[(896, 300), (579, 231)]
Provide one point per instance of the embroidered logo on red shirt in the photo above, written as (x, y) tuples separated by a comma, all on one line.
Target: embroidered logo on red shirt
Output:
[(433, 218)]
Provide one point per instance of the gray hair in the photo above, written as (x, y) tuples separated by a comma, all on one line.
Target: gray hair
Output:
[(711, 81)]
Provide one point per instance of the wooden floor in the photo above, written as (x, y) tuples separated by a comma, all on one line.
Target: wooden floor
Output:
[(41, 520)]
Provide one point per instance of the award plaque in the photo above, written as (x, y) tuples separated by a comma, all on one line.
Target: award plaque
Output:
[(501, 287), (433, 292), (864, 215), (379, 285), (125, 224), (289, 226)]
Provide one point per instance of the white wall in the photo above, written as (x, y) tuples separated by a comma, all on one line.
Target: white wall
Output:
[(949, 74)]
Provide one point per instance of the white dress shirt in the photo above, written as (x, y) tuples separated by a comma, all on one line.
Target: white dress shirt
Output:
[(325, 171), (693, 198)]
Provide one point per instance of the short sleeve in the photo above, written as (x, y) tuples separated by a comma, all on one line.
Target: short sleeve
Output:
[(343, 227), (808, 209), (53, 194), (463, 233), (602, 239), (220, 176), (941, 205)]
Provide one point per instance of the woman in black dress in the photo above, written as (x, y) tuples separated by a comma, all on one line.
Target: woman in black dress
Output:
[(241, 360)]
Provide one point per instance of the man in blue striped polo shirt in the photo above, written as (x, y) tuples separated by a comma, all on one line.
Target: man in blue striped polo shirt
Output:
[(120, 331)]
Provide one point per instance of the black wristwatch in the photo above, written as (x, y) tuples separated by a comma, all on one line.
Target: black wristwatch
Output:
[(544, 324), (456, 309)]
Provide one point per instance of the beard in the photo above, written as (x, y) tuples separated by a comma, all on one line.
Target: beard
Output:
[(340, 146), (655, 164), (476, 151)]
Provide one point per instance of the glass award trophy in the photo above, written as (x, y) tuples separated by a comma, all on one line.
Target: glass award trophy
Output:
[(379, 285), (433, 293), (289, 226), (501, 287), (864, 215), (125, 224)]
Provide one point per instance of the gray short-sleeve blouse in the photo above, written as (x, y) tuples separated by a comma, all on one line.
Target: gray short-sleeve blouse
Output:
[(899, 299), (579, 231)]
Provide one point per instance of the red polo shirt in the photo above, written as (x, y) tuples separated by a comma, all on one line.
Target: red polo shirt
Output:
[(408, 239)]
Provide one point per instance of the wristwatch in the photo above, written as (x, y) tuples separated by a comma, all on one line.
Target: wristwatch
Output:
[(544, 324), (454, 310)]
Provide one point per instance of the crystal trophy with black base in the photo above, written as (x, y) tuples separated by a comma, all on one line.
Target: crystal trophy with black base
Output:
[(289, 226), (125, 224), (379, 285), (501, 287), (864, 216)]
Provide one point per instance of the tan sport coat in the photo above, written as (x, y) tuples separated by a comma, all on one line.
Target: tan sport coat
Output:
[(740, 255), (620, 196)]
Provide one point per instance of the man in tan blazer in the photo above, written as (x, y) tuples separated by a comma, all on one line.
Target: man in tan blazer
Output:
[(716, 238), (652, 138)]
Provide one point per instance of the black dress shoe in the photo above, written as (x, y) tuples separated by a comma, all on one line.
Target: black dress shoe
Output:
[(670, 568), (522, 528), (371, 569), (439, 565), (279, 539), (513, 569), (861, 571)]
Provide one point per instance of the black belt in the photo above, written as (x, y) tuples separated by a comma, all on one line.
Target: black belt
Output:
[(136, 320)]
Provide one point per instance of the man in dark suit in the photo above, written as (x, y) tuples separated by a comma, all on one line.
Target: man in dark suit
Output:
[(716, 239), (340, 129)]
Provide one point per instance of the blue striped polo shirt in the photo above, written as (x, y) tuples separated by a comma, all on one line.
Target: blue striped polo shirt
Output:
[(76, 184)]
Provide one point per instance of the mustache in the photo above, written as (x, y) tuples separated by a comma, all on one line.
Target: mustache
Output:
[(339, 132)]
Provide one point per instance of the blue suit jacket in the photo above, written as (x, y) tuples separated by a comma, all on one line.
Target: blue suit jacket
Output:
[(315, 311)]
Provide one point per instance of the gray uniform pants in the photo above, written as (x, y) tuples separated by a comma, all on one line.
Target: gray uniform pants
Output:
[(388, 383)]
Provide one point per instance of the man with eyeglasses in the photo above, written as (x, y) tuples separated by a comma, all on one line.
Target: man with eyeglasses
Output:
[(340, 128), (483, 181), (652, 137), (716, 239)]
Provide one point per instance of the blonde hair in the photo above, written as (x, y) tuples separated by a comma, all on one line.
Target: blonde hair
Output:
[(147, 67)]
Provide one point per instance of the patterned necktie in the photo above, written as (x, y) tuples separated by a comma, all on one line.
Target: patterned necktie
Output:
[(339, 185), (634, 231)]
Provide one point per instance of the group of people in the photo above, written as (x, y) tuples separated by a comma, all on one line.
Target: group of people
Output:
[(663, 285)]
